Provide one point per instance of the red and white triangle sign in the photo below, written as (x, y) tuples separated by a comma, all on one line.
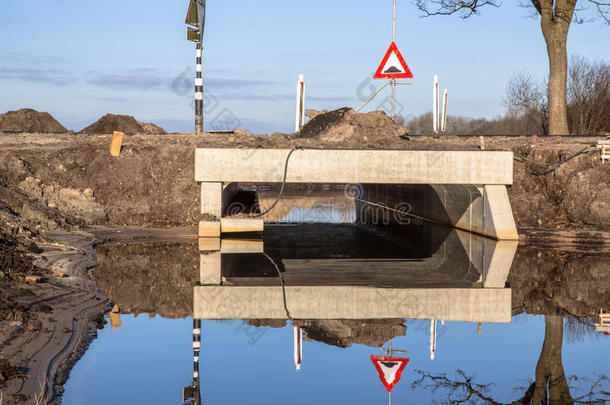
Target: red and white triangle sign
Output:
[(393, 65), (389, 369)]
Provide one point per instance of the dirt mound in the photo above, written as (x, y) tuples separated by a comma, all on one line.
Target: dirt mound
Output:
[(351, 129), (345, 333), (124, 123), (28, 120), (150, 128)]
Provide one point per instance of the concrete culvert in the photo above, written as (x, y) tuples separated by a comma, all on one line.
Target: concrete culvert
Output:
[(123, 123), (28, 120)]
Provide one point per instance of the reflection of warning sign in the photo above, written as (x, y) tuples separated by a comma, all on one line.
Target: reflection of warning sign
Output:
[(393, 65), (389, 369)]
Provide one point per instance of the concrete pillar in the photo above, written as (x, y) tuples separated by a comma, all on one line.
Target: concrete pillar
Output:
[(210, 268), (215, 198), (211, 209), (498, 215), (498, 260)]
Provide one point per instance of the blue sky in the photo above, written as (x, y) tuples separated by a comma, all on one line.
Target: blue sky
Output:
[(149, 361), (79, 60)]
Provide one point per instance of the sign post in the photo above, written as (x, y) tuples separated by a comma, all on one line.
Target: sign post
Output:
[(389, 369), (195, 17), (300, 115), (392, 67), (439, 120)]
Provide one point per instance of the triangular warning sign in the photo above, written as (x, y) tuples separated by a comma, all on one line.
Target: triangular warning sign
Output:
[(389, 369), (393, 65)]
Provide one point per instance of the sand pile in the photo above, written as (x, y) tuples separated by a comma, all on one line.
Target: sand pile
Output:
[(28, 120), (124, 123), (350, 129)]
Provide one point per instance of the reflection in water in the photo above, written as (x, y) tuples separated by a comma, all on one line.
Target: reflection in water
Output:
[(361, 287), (550, 385), (368, 277)]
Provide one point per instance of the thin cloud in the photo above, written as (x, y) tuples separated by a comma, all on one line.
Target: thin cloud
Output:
[(45, 76), (32, 58), (149, 82), (268, 97), (131, 82)]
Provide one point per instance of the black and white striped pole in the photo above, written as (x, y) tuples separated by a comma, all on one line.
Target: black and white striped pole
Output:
[(195, 17), (191, 394), (196, 348)]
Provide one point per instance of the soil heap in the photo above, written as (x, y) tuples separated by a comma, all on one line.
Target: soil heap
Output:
[(352, 129), (28, 120), (123, 123)]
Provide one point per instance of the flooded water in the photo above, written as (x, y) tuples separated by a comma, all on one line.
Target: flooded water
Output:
[(295, 316)]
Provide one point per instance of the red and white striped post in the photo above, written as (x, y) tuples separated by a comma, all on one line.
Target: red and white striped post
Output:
[(300, 111), (298, 347), (435, 105), (444, 111)]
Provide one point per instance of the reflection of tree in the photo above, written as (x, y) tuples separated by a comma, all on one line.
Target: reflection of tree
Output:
[(549, 387)]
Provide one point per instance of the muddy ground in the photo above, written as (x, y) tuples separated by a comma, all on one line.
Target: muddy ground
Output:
[(56, 188)]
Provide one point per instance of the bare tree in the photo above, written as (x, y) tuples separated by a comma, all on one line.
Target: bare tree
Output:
[(589, 96), (555, 19), (525, 97), (549, 387)]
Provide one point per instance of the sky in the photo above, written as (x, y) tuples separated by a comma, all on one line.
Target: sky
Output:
[(150, 360), (80, 60)]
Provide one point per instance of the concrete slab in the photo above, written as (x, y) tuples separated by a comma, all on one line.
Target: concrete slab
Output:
[(349, 302), (354, 166)]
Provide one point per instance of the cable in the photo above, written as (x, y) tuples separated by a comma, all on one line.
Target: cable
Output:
[(557, 164), (279, 273), (279, 196)]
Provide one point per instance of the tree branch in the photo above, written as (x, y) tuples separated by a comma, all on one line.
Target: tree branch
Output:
[(465, 8), (603, 10)]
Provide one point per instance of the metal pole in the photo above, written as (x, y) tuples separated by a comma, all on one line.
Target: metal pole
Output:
[(199, 90), (371, 97), (394, 24), (394, 80), (393, 97)]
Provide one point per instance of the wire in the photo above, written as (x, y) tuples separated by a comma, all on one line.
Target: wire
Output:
[(279, 273), (279, 196), (557, 164)]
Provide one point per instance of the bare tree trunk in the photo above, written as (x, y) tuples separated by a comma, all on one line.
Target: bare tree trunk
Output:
[(551, 382), (555, 23)]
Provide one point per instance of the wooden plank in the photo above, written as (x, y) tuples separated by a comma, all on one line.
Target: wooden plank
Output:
[(209, 229), (209, 244), (116, 144), (231, 225)]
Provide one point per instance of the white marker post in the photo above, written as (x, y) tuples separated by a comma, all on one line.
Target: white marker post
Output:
[(298, 347), (444, 112), (432, 338), (300, 113), (435, 105)]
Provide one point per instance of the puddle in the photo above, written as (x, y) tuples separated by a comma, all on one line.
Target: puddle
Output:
[(295, 316)]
